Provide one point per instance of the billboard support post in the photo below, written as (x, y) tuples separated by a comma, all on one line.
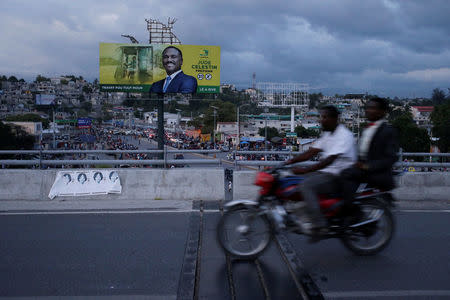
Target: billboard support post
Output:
[(54, 124), (160, 125)]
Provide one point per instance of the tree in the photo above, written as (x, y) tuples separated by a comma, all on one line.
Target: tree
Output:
[(412, 138), (314, 99), (441, 125), (87, 105), (87, 89), (13, 137), (28, 118), (13, 79), (226, 112), (438, 97), (271, 132), (306, 132), (82, 113), (40, 78), (197, 122)]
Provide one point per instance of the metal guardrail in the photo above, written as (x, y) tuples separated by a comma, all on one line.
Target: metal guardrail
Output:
[(113, 162), (165, 161)]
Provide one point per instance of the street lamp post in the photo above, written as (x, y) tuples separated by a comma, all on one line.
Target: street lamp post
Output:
[(265, 132), (178, 119), (238, 137), (53, 127), (214, 129)]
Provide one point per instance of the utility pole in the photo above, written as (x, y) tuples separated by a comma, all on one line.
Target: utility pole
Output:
[(265, 133), (54, 138), (238, 138), (160, 33), (214, 129)]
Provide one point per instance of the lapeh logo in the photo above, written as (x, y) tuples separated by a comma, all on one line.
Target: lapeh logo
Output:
[(204, 53)]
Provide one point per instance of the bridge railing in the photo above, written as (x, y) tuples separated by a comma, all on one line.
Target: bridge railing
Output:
[(40, 158)]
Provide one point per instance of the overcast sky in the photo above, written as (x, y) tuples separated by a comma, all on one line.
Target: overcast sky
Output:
[(385, 47)]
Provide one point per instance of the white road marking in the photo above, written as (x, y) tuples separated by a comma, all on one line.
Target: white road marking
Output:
[(151, 211), (424, 210), (96, 212), (376, 294)]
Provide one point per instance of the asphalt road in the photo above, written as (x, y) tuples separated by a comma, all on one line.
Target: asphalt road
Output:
[(174, 255)]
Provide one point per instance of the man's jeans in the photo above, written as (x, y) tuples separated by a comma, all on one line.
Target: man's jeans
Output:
[(315, 183)]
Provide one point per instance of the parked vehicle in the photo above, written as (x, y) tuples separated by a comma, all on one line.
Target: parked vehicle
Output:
[(177, 157), (245, 229)]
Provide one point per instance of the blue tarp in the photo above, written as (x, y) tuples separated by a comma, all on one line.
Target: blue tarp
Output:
[(87, 138), (252, 139)]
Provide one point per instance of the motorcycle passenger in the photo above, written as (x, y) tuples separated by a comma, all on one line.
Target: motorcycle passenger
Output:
[(337, 150), (377, 153)]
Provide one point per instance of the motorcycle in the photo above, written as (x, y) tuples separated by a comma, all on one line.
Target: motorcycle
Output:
[(245, 230)]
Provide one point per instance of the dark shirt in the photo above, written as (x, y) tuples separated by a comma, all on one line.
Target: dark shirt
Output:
[(182, 83)]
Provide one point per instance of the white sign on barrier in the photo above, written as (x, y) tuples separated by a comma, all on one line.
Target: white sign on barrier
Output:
[(83, 183)]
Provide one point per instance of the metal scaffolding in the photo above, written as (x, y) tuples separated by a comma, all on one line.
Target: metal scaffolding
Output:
[(160, 33), (275, 94)]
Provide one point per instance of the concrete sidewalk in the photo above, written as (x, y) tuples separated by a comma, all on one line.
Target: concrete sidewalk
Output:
[(95, 205), (158, 205)]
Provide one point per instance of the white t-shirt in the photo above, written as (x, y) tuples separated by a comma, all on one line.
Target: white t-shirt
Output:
[(339, 142)]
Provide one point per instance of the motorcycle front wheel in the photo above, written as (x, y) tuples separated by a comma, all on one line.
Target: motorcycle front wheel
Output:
[(372, 230), (244, 233)]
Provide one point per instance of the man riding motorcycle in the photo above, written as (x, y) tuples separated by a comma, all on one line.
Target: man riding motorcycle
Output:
[(337, 150)]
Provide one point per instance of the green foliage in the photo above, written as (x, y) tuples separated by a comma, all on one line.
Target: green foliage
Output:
[(441, 125), (12, 79), (87, 89), (28, 118), (306, 133), (271, 132), (13, 137), (82, 113), (438, 97), (412, 138), (197, 122), (73, 77), (87, 105), (41, 78), (314, 99)]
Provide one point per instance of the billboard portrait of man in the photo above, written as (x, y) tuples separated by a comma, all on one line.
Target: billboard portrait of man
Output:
[(176, 81)]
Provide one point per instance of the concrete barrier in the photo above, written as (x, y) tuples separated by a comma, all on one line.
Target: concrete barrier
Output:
[(413, 186), (194, 184), (137, 184)]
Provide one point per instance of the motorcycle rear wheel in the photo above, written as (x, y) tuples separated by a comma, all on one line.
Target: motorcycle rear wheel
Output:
[(244, 233), (371, 238)]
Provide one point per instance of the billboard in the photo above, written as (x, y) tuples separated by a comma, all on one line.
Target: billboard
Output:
[(84, 122), (43, 99), (144, 68)]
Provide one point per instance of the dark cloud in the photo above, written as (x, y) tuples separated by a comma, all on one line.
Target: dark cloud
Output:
[(395, 47)]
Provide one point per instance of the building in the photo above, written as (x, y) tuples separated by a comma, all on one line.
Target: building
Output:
[(32, 128), (422, 115)]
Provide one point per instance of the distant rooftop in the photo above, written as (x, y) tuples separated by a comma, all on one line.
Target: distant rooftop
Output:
[(424, 108)]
